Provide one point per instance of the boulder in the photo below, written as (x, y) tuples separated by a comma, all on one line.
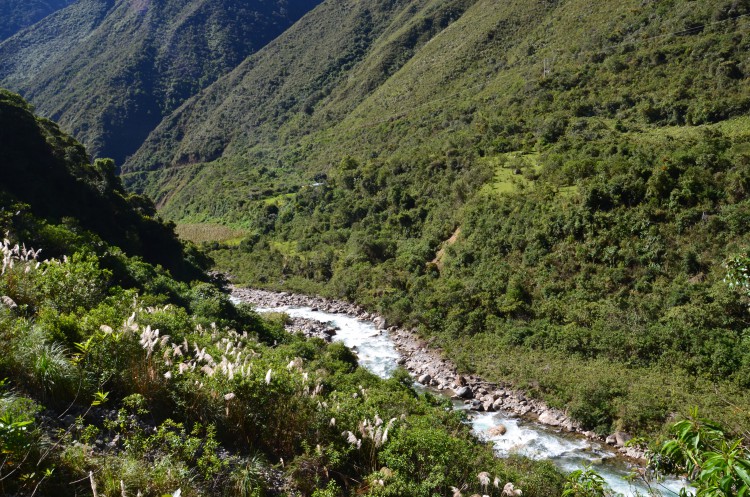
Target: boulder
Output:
[(464, 393), (424, 379), (621, 438), (497, 431), (547, 418), (634, 453), (8, 302)]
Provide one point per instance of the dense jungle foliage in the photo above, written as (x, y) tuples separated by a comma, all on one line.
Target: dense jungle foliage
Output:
[(556, 193), (609, 299), (118, 378)]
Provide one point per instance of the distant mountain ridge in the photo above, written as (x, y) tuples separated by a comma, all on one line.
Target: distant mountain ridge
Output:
[(305, 82), (108, 71)]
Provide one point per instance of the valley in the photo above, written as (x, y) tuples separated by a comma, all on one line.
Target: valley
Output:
[(547, 202)]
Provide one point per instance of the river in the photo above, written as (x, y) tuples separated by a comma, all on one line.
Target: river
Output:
[(377, 353)]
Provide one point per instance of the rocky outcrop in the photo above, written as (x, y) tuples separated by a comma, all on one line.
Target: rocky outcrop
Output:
[(620, 440)]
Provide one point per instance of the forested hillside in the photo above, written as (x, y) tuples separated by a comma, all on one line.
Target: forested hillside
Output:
[(548, 190), (109, 70)]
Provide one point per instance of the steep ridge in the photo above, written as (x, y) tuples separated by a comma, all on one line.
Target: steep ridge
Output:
[(109, 70), (19, 14), (39, 49)]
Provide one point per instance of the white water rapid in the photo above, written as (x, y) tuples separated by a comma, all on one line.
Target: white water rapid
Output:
[(378, 354)]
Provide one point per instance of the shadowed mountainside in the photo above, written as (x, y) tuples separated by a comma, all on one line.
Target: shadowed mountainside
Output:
[(20, 14), (108, 71)]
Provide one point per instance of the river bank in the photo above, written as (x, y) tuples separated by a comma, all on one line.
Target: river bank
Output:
[(431, 369)]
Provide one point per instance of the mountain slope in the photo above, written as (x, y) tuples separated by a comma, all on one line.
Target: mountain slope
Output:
[(19, 14), (109, 70), (441, 73), (324, 57)]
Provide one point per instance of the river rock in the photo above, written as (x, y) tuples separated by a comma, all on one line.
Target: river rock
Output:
[(618, 438), (464, 393), (497, 431), (621, 438), (8, 302), (379, 322), (633, 452), (547, 418), (424, 379)]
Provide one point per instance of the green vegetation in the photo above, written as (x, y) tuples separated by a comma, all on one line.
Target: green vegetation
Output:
[(594, 300), (118, 378), (555, 195), (202, 233), (718, 465), (585, 483)]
